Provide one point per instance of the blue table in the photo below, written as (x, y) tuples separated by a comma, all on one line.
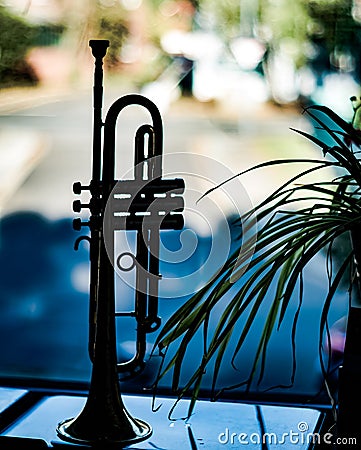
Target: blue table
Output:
[(220, 425)]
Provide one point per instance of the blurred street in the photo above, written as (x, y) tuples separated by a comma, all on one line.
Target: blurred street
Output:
[(57, 130)]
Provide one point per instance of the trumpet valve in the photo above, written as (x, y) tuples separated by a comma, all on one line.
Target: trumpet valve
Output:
[(78, 188), (93, 206), (77, 206), (94, 187), (78, 224)]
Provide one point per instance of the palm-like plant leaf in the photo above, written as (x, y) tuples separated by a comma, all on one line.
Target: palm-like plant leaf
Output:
[(295, 223)]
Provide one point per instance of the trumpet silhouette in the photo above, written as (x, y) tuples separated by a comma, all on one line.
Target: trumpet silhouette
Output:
[(146, 204)]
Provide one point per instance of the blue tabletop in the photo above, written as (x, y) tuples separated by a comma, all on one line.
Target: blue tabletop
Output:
[(219, 425)]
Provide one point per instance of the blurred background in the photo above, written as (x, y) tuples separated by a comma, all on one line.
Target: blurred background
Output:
[(230, 79)]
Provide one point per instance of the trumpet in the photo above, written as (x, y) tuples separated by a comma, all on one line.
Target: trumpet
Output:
[(147, 203)]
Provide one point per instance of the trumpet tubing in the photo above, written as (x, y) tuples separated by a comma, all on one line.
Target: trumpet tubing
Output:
[(146, 204)]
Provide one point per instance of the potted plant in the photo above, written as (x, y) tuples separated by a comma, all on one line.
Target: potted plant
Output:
[(296, 222)]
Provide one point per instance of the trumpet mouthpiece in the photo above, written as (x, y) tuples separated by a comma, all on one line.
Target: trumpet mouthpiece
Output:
[(99, 47)]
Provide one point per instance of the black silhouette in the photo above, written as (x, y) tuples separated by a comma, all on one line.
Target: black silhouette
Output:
[(145, 204)]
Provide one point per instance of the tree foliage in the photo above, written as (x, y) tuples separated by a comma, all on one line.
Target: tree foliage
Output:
[(111, 25), (16, 38), (294, 24)]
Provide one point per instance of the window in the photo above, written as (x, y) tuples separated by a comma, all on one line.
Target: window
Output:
[(229, 83)]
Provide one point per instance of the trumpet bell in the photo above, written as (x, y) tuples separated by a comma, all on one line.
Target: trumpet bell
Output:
[(104, 419), (128, 431), (106, 426)]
